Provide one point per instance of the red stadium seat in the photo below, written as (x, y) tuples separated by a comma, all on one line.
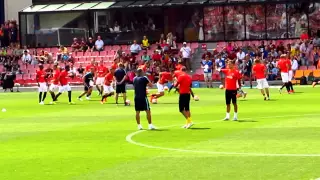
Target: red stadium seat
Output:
[(303, 68), (312, 68)]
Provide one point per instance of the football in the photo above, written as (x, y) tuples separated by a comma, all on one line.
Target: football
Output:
[(128, 102), (154, 101), (196, 98), (166, 88), (221, 86)]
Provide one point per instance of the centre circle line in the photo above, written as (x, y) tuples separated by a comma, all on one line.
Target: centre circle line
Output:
[(131, 135)]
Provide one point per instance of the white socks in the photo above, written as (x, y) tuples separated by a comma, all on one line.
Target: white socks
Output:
[(227, 115), (235, 116)]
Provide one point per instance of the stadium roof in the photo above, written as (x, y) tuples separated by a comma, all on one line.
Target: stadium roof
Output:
[(74, 6)]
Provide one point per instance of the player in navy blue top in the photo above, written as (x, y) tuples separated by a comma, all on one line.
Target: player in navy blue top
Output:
[(88, 84), (120, 76), (141, 102)]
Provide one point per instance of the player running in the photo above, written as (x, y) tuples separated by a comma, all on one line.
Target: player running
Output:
[(163, 78), (88, 84), (108, 89), (54, 82), (42, 84), (260, 72), (283, 65), (101, 73), (140, 82), (64, 84), (315, 82), (232, 77), (185, 83)]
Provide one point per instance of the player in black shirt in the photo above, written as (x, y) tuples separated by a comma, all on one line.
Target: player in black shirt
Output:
[(120, 76), (140, 83), (88, 84)]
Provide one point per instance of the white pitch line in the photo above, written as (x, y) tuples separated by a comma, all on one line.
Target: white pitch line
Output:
[(129, 139)]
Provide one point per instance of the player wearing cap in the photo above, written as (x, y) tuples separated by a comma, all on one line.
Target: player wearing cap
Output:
[(140, 83), (232, 80), (42, 84), (185, 83), (260, 72), (107, 87)]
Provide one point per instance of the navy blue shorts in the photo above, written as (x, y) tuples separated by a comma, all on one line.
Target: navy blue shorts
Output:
[(141, 104)]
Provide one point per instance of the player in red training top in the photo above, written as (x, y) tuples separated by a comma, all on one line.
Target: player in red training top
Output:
[(163, 78), (260, 72), (185, 82), (232, 80), (101, 73), (108, 89), (283, 65), (88, 67), (54, 82), (42, 84), (64, 84), (175, 77)]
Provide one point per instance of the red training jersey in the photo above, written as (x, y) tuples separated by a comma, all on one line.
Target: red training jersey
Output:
[(231, 79), (259, 71), (89, 67), (55, 77), (114, 65), (143, 67), (102, 71), (179, 67), (164, 77), (283, 65), (185, 82), (64, 78), (108, 79), (178, 73), (41, 76)]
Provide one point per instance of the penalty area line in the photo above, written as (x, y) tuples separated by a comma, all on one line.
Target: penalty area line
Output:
[(131, 141)]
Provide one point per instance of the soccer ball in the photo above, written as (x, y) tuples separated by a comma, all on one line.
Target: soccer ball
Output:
[(166, 88), (154, 101), (221, 86), (196, 98), (128, 102), (4, 110)]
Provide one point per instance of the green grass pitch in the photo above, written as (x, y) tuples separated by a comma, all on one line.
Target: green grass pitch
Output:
[(274, 140)]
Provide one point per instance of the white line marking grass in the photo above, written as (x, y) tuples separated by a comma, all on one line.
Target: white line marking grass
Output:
[(131, 135)]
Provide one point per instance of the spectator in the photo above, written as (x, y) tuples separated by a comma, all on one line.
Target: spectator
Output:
[(206, 53), (240, 56), (145, 43), (80, 70), (294, 65), (90, 45), (13, 33), (116, 27), (229, 47), (174, 43), (75, 45), (316, 42), (145, 57), (135, 48), (207, 67), (186, 55), (304, 35), (49, 71), (220, 64), (83, 45), (262, 47), (156, 57), (63, 54), (164, 46), (26, 57), (281, 47), (99, 44)]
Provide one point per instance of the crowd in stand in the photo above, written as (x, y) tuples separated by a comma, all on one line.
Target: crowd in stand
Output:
[(303, 52)]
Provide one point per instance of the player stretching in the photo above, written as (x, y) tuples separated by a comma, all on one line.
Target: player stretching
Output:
[(54, 83), (163, 78), (101, 73), (64, 85), (140, 83), (315, 82), (120, 76), (176, 75), (108, 89), (88, 83), (42, 84), (283, 65), (232, 77), (260, 72), (185, 83)]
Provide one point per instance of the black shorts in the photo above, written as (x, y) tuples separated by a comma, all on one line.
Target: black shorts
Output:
[(231, 95), (121, 88), (184, 102), (87, 87), (316, 80), (141, 104)]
